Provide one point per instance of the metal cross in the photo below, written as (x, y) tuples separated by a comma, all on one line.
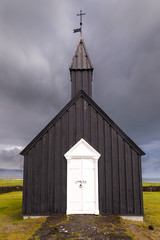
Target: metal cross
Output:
[(81, 14)]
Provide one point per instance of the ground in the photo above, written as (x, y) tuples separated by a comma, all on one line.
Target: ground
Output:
[(82, 227)]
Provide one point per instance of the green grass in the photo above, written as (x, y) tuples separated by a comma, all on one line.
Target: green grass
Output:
[(12, 225), (14, 182), (150, 184), (152, 207)]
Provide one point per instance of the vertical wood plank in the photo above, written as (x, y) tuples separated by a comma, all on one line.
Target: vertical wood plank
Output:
[(115, 169), (64, 162), (54, 169), (32, 180), (73, 84), (44, 181), (140, 182), (78, 80), (101, 173), (90, 83), (122, 178), (29, 185), (39, 174), (79, 120), (108, 169), (25, 185), (86, 121), (36, 180), (51, 169), (85, 82), (129, 179), (136, 186), (72, 126), (58, 165), (93, 128)]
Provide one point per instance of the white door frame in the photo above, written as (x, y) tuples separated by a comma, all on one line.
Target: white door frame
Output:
[(82, 150)]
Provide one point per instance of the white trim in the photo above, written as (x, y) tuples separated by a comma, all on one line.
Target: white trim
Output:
[(81, 212), (89, 153), (82, 150), (133, 218)]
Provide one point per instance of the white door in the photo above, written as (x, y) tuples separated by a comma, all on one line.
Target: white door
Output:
[(82, 186), (82, 179)]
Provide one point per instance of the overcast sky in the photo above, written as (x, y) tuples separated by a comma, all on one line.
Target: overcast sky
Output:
[(36, 47)]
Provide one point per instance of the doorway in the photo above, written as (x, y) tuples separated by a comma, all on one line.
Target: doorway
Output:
[(82, 179)]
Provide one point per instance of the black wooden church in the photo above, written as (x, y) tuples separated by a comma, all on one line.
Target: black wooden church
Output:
[(82, 162)]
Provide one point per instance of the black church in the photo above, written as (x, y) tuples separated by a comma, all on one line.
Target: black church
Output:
[(82, 162)]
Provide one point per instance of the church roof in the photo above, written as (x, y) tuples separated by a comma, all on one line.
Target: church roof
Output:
[(81, 94), (81, 59)]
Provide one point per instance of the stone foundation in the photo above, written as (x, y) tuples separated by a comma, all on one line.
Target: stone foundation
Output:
[(151, 189)]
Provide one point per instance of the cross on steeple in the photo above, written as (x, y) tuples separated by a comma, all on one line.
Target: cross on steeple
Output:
[(81, 14), (79, 29)]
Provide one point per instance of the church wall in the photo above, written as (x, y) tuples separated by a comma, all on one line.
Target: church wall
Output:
[(45, 168), (119, 166)]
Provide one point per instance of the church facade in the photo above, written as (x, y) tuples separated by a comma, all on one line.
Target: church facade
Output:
[(82, 162)]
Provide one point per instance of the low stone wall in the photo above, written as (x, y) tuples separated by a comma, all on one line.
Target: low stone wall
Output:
[(20, 188), (151, 189), (10, 189)]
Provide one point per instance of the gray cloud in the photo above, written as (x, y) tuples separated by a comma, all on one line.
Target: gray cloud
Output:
[(151, 162), (37, 46), (10, 159)]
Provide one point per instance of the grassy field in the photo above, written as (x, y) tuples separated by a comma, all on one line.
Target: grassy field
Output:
[(150, 184), (11, 182), (12, 225), (152, 208)]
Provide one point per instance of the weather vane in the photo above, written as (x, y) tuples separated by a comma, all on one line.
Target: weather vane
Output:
[(79, 29)]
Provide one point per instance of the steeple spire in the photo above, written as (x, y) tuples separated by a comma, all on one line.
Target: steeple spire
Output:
[(81, 70), (81, 59)]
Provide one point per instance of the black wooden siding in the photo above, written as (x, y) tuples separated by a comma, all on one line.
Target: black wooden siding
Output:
[(81, 79), (45, 168)]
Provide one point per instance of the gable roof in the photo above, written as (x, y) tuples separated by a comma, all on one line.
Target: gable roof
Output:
[(81, 59), (82, 94)]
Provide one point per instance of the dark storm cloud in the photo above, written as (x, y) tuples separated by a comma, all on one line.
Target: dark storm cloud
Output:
[(31, 69), (10, 159), (36, 48)]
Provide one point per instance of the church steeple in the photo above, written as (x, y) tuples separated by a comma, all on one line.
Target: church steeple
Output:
[(81, 70)]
